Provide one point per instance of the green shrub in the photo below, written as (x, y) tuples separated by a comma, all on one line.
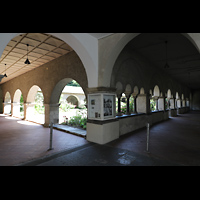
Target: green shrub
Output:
[(77, 121)]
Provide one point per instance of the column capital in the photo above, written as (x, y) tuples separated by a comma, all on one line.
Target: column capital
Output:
[(51, 104), (101, 89)]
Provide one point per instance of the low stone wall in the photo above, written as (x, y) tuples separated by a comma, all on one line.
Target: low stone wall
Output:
[(133, 122), (183, 110)]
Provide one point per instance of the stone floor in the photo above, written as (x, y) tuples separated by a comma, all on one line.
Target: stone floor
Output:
[(172, 143), (176, 140), (21, 141), (72, 130)]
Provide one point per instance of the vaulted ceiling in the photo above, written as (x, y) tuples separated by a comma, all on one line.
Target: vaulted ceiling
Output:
[(42, 49), (182, 56)]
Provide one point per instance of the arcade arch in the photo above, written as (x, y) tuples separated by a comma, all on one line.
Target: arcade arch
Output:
[(34, 106), (18, 104), (58, 109), (7, 103), (78, 42)]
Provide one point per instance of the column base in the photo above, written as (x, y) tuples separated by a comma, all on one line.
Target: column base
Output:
[(102, 132)]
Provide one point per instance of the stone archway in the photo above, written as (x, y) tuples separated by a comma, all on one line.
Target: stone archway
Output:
[(16, 104), (7, 104), (33, 103), (52, 109)]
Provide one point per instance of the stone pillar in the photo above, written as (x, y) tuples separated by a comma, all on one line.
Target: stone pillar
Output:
[(143, 103), (29, 111), (119, 104), (183, 103), (135, 104), (15, 108), (51, 114), (127, 103), (188, 103), (161, 103), (156, 99), (172, 103), (105, 128), (178, 103), (7, 109)]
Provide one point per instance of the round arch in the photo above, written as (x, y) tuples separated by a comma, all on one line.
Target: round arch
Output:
[(32, 93), (18, 110), (78, 43), (31, 105), (169, 94), (55, 96), (17, 95), (119, 88), (118, 45), (73, 99), (156, 91), (7, 103), (7, 98)]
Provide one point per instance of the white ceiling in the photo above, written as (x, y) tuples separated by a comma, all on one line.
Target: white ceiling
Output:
[(42, 49), (99, 35)]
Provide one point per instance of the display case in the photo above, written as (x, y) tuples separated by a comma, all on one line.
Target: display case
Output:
[(101, 106)]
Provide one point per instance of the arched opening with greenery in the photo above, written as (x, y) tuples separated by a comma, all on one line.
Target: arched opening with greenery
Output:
[(73, 109), (35, 105)]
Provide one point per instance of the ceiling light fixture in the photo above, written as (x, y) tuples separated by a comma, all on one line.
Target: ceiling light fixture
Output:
[(5, 71), (166, 65), (2, 76), (27, 62)]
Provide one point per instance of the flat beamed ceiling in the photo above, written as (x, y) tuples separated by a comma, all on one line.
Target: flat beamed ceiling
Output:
[(183, 57), (42, 49)]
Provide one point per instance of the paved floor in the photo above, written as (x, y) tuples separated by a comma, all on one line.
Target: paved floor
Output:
[(72, 130), (176, 140), (21, 141), (173, 142)]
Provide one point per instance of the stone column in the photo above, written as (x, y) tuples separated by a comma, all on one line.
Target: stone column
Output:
[(183, 103), (7, 108), (104, 129), (156, 99), (29, 111), (172, 103), (127, 103), (51, 114), (119, 104), (161, 103), (135, 104), (188, 103), (15, 108), (143, 103), (178, 103)]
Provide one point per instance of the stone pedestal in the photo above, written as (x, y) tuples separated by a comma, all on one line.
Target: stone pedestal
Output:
[(172, 103), (7, 108), (161, 103), (51, 114), (15, 109), (143, 104), (102, 125), (28, 111), (102, 132), (179, 103)]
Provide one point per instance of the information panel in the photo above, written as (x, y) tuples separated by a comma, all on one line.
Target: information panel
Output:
[(101, 106)]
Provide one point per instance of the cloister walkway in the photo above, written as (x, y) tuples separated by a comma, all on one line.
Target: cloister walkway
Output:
[(21, 141), (174, 142)]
